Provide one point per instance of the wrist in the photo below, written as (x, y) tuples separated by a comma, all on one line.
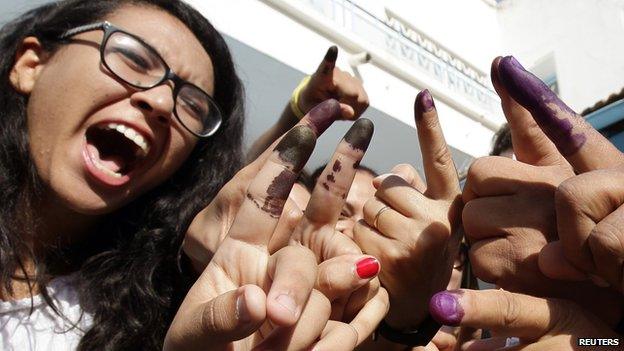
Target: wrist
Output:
[(295, 99)]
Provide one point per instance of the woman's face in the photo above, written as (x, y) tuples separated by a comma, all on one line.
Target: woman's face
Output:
[(77, 106)]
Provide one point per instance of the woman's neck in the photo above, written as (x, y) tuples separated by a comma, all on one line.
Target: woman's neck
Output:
[(52, 227)]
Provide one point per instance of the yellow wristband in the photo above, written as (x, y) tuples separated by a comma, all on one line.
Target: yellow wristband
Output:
[(294, 99)]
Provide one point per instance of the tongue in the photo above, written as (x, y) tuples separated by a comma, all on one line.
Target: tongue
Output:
[(112, 162)]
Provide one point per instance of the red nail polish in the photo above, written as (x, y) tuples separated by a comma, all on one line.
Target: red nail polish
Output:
[(367, 267)]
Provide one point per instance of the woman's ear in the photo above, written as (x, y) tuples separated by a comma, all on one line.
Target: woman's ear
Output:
[(29, 61)]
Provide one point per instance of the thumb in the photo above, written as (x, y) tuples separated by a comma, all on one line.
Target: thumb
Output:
[(231, 316)]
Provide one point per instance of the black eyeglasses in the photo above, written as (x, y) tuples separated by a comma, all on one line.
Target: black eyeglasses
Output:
[(138, 64)]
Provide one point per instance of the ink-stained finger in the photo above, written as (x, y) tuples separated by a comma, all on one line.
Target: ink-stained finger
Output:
[(318, 119), (331, 189), (257, 218), (530, 144), (326, 68), (501, 311), (576, 140), (440, 171)]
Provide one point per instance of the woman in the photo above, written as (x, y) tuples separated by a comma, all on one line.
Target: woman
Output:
[(63, 183)]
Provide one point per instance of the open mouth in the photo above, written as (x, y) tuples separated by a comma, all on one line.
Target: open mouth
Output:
[(115, 150)]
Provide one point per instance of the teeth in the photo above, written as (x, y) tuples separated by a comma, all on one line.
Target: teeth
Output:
[(133, 135)]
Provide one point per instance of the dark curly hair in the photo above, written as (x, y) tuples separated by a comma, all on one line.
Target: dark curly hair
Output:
[(129, 273)]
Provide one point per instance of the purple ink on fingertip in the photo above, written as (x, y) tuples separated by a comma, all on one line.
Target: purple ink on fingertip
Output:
[(446, 308), (360, 134), (424, 101), (296, 147), (323, 115), (332, 54), (530, 92)]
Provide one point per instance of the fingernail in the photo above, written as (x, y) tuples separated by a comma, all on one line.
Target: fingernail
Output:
[(288, 303), (242, 313), (494, 71), (515, 62), (424, 101), (360, 134), (323, 115), (367, 268), (296, 147), (599, 281), (332, 54), (446, 308), (548, 110)]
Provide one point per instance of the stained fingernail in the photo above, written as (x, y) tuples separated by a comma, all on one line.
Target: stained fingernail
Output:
[(360, 134), (549, 111), (494, 71), (323, 115), (296, 147), (332, 54), (242, 313), (424, 101), (288, 303), (598, 281), (446, 308), (367, 268)]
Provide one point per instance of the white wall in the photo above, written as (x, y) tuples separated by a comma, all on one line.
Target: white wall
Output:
[(277, 35), (585, 37)]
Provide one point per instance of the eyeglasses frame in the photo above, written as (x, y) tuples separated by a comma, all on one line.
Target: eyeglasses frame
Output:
[(109, 29)]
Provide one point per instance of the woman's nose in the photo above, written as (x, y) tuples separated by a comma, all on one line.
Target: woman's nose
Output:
[(156, 102)]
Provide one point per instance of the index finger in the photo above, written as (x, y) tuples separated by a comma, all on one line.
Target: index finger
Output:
[(576, 140), (440, 171), (331, 189), (530, 144), (258, 215), (326, 67), (501, 311), (318, 119)]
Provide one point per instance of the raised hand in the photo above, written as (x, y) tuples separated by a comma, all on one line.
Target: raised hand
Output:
[(329, 82), (536, 323), (587, 206), (412, 227), (509, 214)]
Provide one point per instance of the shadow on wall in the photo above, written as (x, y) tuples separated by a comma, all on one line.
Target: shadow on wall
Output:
[(269, 84)]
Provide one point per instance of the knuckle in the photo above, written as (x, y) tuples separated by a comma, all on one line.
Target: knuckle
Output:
[(510, 307), (567, 196), (605, 237)]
